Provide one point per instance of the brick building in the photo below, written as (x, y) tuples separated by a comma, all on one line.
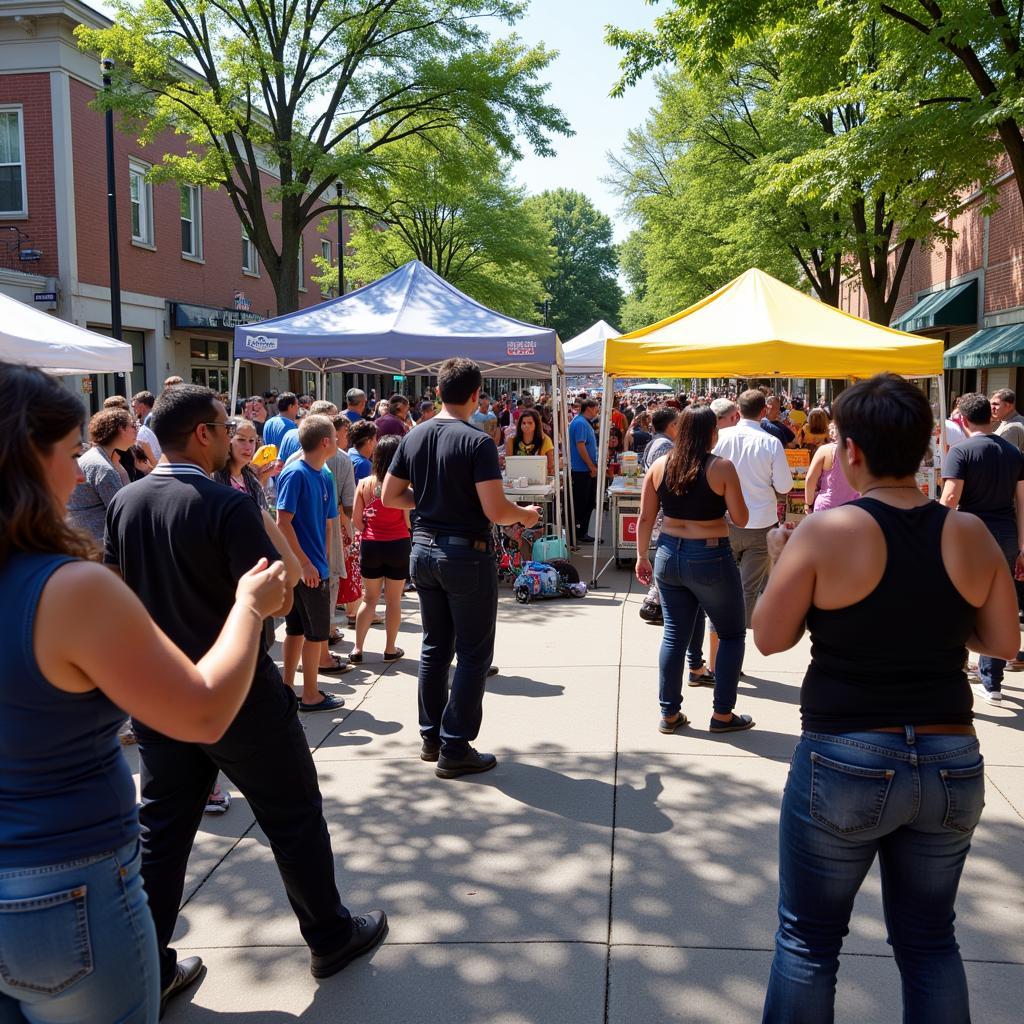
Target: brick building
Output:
[(969, 292), (187, 274)]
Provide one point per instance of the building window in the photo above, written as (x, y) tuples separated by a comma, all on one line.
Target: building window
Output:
[(301, 273), (142, 204), (191, 222), (325, 251), (13, 187), (250, 258)]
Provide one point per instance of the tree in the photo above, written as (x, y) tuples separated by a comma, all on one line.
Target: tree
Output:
[(849, 134), (582, 284), (310, 90), (447, 200), (987, 40)]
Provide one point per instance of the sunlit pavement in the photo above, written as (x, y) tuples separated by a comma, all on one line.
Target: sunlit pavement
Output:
[(602, 873)]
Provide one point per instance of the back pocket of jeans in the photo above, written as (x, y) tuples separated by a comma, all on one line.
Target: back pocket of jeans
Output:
[(847, 798), (965, 796), (44, 941)]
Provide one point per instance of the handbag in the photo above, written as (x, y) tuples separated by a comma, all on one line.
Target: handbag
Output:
[(550, 546)]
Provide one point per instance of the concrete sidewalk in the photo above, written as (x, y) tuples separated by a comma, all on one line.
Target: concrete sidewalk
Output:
[(602, 873)]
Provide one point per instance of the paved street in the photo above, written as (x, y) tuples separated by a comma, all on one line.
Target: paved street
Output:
[(603, 872)]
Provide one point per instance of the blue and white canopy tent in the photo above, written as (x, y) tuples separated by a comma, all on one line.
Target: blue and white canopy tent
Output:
[(408, 322)]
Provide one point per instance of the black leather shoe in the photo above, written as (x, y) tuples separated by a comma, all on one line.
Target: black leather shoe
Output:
[(494, 670), (471, 764), (185, 973), (370, 928), (430, 750)]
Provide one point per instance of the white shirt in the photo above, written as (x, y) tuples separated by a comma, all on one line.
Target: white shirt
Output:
[(760, 461), (145, 435)]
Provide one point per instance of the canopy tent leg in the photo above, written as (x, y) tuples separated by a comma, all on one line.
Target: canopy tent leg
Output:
[(555, 438), (128, 385), (234, 386), (566, 479), (602, 464), (942, 433)]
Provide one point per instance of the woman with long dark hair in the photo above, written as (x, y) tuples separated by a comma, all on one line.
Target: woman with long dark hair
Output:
[(893, 589), (694, 566), (530, 439), (76, 938)]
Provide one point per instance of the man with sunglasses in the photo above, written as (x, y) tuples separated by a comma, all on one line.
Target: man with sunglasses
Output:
[(181, 541)]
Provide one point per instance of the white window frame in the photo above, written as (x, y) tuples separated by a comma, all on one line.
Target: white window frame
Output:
[(22, 214), (197, 224), (302, 264), (146, 238), (326, 253), (254, 269)]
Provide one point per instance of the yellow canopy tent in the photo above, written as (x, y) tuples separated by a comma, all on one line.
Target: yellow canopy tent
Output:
[(756, 326)]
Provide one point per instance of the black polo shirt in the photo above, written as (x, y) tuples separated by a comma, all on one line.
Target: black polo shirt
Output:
[(182, 541)]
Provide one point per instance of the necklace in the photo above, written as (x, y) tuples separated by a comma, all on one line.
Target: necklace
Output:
[(889, 487)]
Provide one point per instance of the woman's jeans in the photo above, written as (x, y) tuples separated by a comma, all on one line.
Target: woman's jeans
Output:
[(77, 944), (914, 801), (691, 575)]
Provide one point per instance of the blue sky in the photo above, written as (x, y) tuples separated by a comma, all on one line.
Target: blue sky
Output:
[(581, 79)]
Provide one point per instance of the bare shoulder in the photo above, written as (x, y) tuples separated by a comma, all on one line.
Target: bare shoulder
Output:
[(836, 526), (967, 528)]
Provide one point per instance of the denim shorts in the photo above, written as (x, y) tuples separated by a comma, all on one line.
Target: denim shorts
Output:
[(77, 942)]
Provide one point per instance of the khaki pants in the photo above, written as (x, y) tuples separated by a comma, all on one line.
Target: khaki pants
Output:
[(750, 549)]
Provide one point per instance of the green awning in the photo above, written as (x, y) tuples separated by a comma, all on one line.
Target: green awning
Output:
[(992, 346), (952, 307)]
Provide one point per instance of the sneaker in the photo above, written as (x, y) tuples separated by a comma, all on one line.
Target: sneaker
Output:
[(218, 801), (992, 696), (738, 723), (329, 703), (471, 763), (670, 725), (650, 611), (1017, 665)]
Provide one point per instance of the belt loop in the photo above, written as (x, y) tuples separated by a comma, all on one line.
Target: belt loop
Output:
[(909, 729)]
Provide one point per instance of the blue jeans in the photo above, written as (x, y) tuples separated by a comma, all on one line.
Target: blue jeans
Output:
[(457, 588), (691, 575), (914, 800), (990, 670), (77, 944)]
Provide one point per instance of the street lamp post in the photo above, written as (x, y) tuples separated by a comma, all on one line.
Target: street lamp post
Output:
[(107, 66), (341, 242)]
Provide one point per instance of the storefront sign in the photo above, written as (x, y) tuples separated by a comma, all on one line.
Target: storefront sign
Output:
[(242, 302), (45, 296), (209, 317)]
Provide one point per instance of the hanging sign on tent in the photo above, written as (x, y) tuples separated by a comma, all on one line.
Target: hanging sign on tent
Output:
[(521, 347)]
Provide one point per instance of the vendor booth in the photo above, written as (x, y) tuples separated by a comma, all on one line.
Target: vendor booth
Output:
[(408, 322), (756, 326), (585, 353), (35, 338)]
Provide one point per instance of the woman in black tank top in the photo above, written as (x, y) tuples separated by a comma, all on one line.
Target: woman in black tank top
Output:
[(893, 589), (694, 567)]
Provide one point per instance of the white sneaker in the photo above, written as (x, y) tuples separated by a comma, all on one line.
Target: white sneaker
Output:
[(992, 696)]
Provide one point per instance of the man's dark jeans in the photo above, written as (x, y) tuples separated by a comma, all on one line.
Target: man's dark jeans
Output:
[(266, 755), (584, 498), (990, 670), (457, 586)]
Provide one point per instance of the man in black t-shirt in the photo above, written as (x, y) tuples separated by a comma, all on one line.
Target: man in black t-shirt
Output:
[(448, 472), (181, 541), (985, 475)]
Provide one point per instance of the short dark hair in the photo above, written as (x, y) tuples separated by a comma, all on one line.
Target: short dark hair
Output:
[(361, 432), (286, 400), (144, 397), (890, 420), (751, 403), (587, 403), (1005, 395), (457, 379), (179, 410), (315, 428), (976, 409), (341, 422), (663, 419), (395, 402)]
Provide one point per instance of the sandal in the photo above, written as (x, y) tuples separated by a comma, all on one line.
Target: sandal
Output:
[(336, 637), (396, 655), (669, 725), (707, 679), (339, 667), (735, 724)]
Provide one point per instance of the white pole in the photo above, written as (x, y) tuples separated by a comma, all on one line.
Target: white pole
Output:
[(234, 386), (128, 386), (942, 433), (602, 461), (555, 439), (570, 503)]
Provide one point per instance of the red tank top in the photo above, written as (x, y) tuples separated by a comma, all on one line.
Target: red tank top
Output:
[(383, 523)]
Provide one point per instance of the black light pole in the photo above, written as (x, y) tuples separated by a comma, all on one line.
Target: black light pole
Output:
[(107, 65), (341, 242)]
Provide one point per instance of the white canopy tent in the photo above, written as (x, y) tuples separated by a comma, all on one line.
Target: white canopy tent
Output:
[(585, 353), (35, 338)]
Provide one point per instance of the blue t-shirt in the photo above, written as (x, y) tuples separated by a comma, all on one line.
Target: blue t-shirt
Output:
[(362, 467), (275, 428), (289, 445), (580, 429), (484, 421), (309, 495), (354, 416)]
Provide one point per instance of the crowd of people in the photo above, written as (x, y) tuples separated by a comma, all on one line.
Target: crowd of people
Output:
[(210, 538)]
